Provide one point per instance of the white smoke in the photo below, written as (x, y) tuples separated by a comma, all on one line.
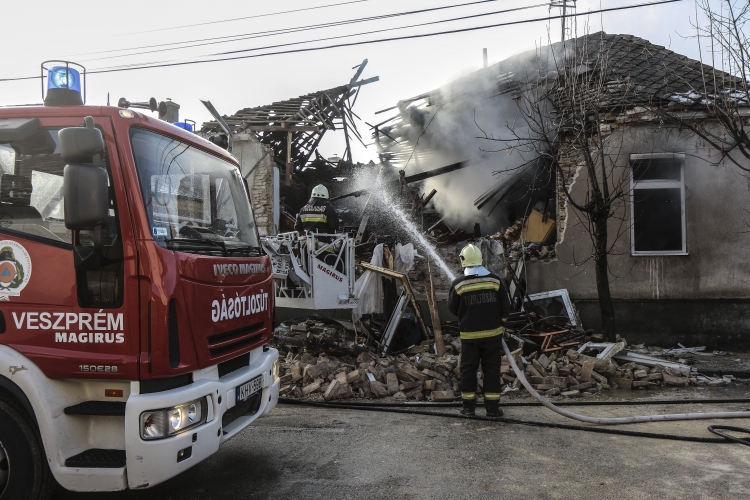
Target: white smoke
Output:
[(474, 119)]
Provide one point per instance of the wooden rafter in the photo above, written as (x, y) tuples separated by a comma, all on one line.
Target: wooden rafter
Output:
[(307, 117)]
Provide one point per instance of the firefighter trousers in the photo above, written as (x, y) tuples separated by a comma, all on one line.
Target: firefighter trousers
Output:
[(489, 353)]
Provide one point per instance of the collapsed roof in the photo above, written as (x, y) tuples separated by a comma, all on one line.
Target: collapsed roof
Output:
[(634, 71), (293, 128)]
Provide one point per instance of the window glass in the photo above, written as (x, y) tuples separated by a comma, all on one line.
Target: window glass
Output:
[(195, 202), (31, 202), (7, 159), (31, 180), (658, 207), (657, 169), (657, 217)]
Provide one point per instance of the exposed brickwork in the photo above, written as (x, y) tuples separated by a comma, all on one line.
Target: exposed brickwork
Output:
[(256, 160)]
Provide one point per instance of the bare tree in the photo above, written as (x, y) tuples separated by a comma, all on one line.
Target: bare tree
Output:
[(560, 107), (717, 110)]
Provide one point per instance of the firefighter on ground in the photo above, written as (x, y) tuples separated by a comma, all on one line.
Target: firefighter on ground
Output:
[(318, 215), (480, 301)]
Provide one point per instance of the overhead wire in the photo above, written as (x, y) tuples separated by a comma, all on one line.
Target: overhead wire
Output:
[(352, 44), (250, 17), (285, 31)]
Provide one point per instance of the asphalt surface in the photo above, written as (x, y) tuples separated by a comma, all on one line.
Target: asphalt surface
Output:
[(304, 452)]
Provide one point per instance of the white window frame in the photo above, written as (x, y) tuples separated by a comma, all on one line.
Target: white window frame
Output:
[(658, 184)]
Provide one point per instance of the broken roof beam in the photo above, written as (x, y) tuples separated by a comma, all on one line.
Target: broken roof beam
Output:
[(278, 128), (409, 179)]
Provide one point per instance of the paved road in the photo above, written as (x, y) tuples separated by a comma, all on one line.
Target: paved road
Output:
[(301, 452)]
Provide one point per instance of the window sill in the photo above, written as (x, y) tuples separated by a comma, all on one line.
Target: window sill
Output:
[(657, 254)]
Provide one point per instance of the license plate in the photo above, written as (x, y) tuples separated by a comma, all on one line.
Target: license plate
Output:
[(246, 390)]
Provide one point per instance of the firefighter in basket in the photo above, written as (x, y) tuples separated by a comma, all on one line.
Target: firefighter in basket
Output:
[(319, 216)]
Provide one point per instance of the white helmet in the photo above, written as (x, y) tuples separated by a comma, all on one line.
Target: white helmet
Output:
[(320, 191)]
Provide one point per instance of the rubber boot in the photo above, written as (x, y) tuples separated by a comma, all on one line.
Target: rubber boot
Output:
[(493, 409), (469, 407)]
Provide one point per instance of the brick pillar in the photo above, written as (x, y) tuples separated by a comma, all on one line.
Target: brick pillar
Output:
[(256, 165)]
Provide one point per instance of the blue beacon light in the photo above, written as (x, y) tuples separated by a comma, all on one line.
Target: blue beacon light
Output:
[(64, 84), (61, 77)]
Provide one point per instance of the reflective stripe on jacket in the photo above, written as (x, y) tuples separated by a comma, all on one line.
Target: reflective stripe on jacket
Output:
[(318, 215), (481, 303)]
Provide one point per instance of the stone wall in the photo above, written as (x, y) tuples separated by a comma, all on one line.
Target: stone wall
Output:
[(257, 166)]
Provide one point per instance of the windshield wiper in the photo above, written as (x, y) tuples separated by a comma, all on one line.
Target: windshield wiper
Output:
[(247, 249), (178, 242)]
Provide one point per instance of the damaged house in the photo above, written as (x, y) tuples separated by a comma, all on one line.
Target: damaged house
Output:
[(626, 185), (276, 143)]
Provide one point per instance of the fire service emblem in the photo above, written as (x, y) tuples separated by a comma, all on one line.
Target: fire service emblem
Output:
[(15, 268)]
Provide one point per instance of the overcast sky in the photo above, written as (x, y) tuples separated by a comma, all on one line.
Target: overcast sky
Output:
[(94, 33)]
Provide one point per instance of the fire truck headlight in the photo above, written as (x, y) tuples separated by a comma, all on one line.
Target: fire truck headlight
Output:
[(153, 425), (276, 369), (175, 419), (159, 424)]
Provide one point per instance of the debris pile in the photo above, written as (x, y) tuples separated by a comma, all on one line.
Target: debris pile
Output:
[(321, 358), (324, 359), (370, 376), (516, 246)]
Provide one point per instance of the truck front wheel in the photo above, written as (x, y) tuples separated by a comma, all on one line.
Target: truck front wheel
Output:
[(24, 472)]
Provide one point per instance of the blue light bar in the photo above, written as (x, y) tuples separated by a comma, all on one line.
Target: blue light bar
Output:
[(185, 125), (60, 77)]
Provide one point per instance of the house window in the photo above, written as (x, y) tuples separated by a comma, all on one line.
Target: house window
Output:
[(657, 207)]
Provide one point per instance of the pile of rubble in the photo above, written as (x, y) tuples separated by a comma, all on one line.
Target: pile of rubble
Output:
[(370, 376), (325, 358), (575, 374)]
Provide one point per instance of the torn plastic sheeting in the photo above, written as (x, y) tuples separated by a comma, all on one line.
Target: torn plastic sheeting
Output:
[(403, 257), (369, 288)]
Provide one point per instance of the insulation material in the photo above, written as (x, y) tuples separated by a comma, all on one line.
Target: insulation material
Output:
[(369, 288)]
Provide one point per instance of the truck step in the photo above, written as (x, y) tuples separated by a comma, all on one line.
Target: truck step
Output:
[(98, 458), (98, 408)]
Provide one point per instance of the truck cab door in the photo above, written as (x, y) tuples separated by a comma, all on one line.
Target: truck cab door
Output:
[(69, 319)]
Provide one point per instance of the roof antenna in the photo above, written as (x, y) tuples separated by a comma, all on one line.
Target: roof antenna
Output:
[(107, 98)]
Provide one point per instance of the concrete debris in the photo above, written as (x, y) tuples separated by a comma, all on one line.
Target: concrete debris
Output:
[(324, 361)]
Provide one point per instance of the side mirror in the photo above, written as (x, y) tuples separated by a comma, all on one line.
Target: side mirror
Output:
[(85, 186), (85, 196), (81, 144)]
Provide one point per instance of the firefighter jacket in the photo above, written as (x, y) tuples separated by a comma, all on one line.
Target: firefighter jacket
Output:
[(318, 215), (481, 303)]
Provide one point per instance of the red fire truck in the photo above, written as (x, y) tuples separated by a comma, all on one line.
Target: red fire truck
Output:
[(136, 303)]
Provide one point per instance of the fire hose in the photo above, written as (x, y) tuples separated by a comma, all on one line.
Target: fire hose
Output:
[(715, 429)]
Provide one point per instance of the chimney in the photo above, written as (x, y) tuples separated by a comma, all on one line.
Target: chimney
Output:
[(169, 111)]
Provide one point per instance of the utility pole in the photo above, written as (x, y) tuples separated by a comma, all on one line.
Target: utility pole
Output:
[(563, 4), (562, 21)]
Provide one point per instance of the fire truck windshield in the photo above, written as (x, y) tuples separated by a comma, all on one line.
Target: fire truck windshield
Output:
[(195, 202)]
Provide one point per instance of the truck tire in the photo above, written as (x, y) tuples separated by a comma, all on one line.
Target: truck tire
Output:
[(24, 472)]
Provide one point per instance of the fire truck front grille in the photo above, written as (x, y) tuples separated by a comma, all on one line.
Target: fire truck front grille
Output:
[(233, 365), (223, 343)]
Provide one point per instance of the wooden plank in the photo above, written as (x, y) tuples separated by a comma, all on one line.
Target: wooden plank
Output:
[(405, 281), (437, 329), (277, 128)]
